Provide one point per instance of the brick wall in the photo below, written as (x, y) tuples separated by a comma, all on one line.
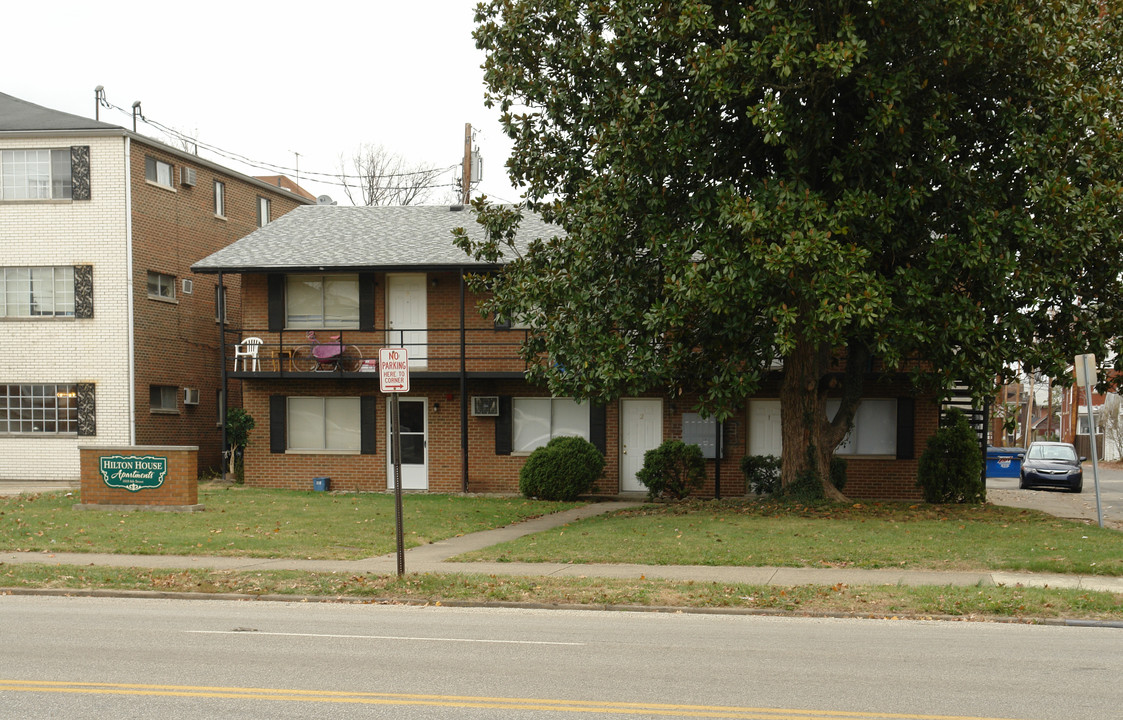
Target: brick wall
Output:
[(177, 342), (179, 489), (68, 350), (868, 477)]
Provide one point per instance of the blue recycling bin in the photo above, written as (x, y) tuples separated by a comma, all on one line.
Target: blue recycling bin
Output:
[(321, 484), (1004, 462)]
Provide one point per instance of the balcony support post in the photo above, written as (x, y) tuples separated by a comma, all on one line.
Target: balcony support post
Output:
[(222, 365)]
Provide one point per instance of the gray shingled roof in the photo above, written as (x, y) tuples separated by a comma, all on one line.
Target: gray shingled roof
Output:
[(21, 116), (377, 238)]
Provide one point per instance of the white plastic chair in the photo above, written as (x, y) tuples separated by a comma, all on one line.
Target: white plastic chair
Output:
[(247, 351)]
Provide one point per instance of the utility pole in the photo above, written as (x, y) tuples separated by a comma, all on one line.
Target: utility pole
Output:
[(466, 174)]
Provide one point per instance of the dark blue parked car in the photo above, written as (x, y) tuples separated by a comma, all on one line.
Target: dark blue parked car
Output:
[(1052, 464)]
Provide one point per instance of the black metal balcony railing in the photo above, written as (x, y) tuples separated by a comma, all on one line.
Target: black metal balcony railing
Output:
[(261, 353)]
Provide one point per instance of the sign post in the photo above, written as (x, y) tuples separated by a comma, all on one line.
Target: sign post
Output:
[(1086, 376), (393, 378)]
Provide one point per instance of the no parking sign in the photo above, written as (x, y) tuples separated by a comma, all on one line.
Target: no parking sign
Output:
[(393, 370)]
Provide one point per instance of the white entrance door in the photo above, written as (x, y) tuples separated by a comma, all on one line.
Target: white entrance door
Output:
[(415, 443), (641, 429), (407, 316), (764, 428)]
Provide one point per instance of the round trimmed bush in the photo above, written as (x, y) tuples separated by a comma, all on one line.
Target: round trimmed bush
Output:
[(673, 470), (762, 474), (563, 469)]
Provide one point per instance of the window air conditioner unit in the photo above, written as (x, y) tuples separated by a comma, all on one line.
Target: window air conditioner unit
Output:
[(190, 396), (188, 286), (485, 405), (186, 175)]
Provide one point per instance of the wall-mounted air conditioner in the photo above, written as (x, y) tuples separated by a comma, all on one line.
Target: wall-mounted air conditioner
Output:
[(186, 175), (190, 396), (485, 405)]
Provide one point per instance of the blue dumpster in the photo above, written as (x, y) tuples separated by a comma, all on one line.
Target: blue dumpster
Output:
[(1004, 462)]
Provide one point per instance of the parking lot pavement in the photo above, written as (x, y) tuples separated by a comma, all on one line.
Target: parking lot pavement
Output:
[(1076, 506)]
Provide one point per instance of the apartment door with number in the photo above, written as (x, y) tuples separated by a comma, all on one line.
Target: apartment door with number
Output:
[(415, 443), (641, 429), (407, 316)]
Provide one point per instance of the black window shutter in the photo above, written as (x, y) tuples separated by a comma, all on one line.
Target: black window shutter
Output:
[(368, 437), (598, 431), (366, 301), (503, 426), (906, 428), (277, 412), (80, 172), (276, 302), (83, 291)]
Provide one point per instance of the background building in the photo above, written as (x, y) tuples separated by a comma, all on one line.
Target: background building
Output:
[(109, 338)]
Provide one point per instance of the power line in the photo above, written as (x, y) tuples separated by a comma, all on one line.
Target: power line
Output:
[(340, 179)]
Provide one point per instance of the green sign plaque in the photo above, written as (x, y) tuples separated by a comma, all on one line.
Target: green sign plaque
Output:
[(133, 472)]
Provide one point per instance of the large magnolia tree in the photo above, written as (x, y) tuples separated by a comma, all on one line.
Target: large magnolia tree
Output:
[(740, 183)]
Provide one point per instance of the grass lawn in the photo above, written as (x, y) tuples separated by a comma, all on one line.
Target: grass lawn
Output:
[(1014, 603), (249, 522), (861, 535)]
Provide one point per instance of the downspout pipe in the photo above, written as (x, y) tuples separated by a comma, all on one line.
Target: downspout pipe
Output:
[(130, 302), (463, 390)]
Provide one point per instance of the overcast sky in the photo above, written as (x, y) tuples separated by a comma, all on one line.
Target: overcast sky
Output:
[(267, 80)]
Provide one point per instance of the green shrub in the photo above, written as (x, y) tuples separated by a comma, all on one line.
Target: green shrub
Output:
[(673, 470), (762, 473), (951, 468), (762, 476), (561, 470)]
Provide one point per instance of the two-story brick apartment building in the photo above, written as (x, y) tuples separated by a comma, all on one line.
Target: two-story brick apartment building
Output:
[(390, 276), (108, 338)]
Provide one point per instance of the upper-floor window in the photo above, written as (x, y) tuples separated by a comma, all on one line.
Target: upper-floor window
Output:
[(220, 312), (322, 301), (37, 291), (157, 171), (35, 174), (219, 198), (161, 286), (263, 211), (39, 409)]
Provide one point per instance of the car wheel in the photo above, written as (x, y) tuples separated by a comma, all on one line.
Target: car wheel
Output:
[(1022, 484), (1079, 487)]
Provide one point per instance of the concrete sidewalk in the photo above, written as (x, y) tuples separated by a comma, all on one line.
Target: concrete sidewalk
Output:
[(434, 558)]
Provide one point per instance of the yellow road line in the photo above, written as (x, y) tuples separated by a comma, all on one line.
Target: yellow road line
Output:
[(456, 701)]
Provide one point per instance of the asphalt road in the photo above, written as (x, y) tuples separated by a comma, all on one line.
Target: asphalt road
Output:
[(101, 657)]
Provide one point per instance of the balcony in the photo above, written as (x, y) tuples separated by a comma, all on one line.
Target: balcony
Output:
[(434, 353)]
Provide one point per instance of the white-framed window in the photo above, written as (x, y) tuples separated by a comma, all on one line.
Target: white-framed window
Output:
[(874, 431), (263, 208), (39, 409), (322, 301), (330, 424), (163, 398), (535, 421), (157, 171), (37, 291), (161, 286), (875, 428), (35, 174), (219, 198)]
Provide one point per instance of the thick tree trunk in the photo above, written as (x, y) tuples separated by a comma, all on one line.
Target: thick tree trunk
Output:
[(809, 438)]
